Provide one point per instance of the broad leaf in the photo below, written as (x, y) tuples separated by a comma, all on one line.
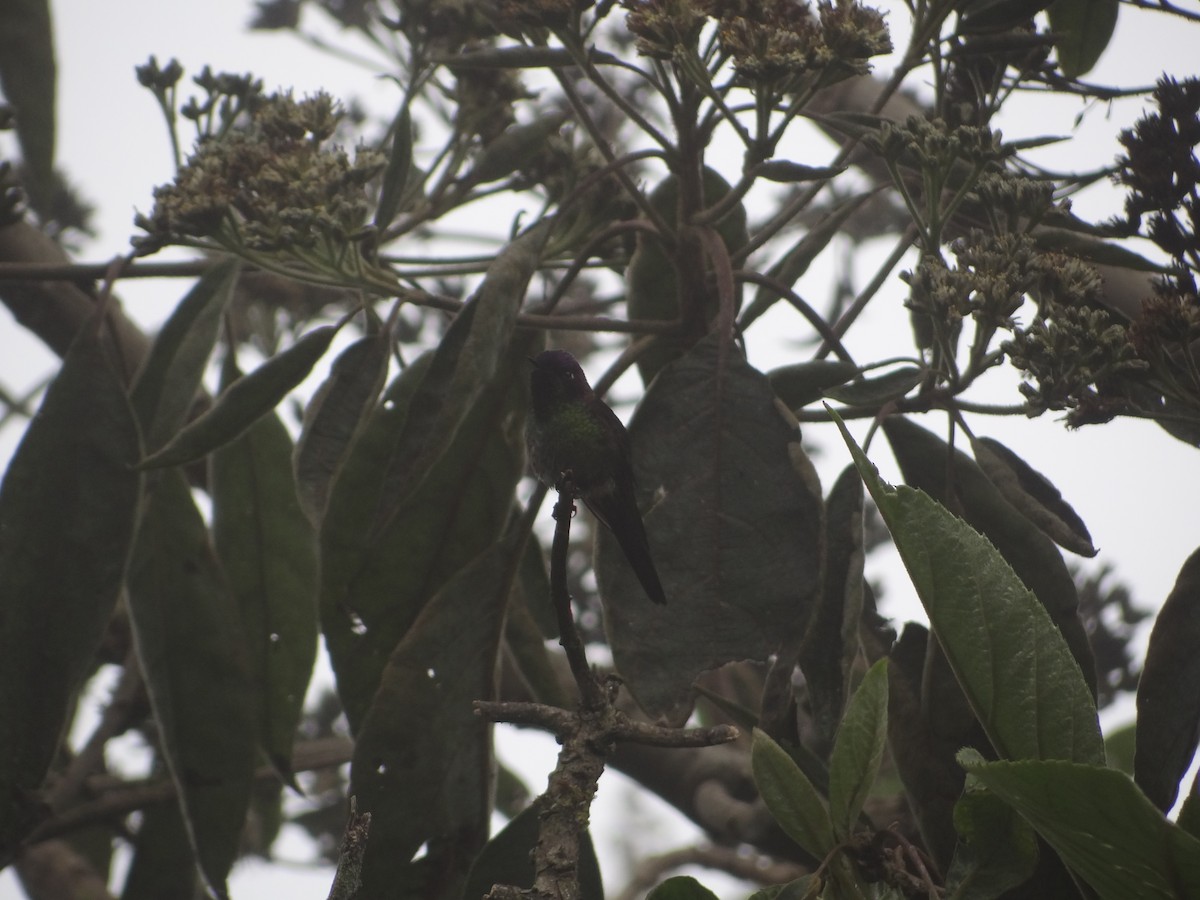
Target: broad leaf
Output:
[(858, 750), (1168, 696), (1012, 663), (791, 798), (268, 550), (1082, 30), (187, 630), (1102, 826), (68, 511), (735, 537)]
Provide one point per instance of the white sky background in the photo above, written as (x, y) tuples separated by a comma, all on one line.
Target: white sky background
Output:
[(1136, 487)]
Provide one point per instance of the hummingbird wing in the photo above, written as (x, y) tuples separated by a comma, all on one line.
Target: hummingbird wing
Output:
[(614, 503)]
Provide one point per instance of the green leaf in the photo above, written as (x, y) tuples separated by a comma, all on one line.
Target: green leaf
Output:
[(808, 887), (68, 512), (954, 480), (1082, 30), (166, 386), (468, 360), (681, 887), (29, 77), (246, 401), (1032, 495), (507, 859), (1168, 696), (804, 383), (421, 739), (268, 550), (395, 176), (858, 750), (997, 849), (878, 390), (735, 537), (831, 641), (1012, 663), (335, 417), (374, 587), (163, 864), (791, 798), (784, 170), (186, 628), (1102, 826)]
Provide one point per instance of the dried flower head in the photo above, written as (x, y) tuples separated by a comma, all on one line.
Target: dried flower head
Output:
[(663, 28), (268, 187)]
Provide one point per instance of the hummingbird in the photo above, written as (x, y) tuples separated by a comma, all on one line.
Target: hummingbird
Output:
[(572, 432)]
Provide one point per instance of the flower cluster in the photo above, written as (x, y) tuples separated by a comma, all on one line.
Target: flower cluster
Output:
[(770, 41), (268, 187)]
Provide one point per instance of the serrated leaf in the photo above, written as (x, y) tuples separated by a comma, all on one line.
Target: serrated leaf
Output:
[(858, 750), (997, 849), (246, 401), (186, 628), (507, 859), (831, 641), (268, 550), (803, 383), (1012, 663), (170, 377), (395, 176), (334, 417), (879, 390), (1168, 696), (421, 738), (956, 482), (791, 798), (736, 533), (1082, 30), (1032, 495), (1101, 825), (68, 513)]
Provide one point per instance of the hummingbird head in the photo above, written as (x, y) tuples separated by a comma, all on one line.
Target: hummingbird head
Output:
[(557, 378)]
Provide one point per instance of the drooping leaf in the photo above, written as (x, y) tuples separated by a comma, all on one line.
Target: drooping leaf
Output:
[(831, 642), (790, 796), (957, 483), (187, 631), (166, 385), (1011, 662), (1082, 30), (268, 551), (878, 390), (68, 513), (374, 587), (163, 866), (1168, 696), (335, 416), (1103, 827), (506, 859), (247, 400), (804, 383), (858, 750), (1032, 495), (421, 740), (735, 537)]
